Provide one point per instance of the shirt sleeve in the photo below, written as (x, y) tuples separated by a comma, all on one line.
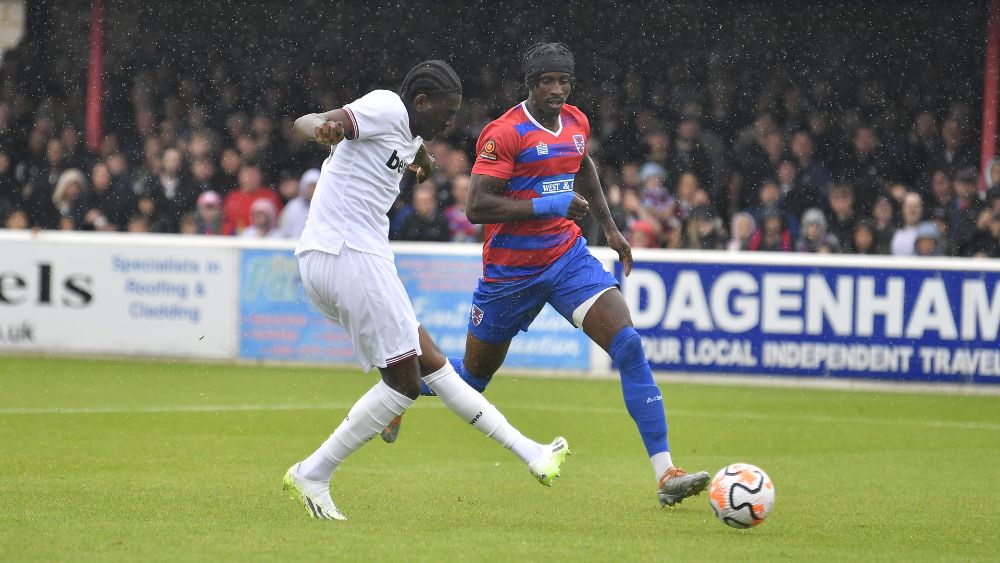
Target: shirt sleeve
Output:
[(375, 113), (496, 151)]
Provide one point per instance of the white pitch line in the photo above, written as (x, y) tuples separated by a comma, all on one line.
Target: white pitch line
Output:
[(257, 407), (955, 424), (176, 408)]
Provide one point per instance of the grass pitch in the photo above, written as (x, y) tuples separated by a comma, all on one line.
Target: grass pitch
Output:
[(131, 460)]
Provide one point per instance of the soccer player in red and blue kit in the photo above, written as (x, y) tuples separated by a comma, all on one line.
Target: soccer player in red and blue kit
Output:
[(531, 181)]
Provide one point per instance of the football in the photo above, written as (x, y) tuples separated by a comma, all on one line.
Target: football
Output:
[(741, 495)]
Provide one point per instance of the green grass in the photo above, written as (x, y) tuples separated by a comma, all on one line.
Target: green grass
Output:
[(111, 460)]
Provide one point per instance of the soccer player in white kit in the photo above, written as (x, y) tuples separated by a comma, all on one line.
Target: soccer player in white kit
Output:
[(348, 271)]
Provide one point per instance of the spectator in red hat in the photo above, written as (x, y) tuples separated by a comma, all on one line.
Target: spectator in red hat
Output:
[(209, 213)]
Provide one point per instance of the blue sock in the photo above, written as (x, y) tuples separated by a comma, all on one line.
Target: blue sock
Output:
[(642, 396), (477, 383), (425, 390)]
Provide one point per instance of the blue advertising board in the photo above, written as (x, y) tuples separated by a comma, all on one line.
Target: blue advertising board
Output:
[(831, 321), (277, 321)]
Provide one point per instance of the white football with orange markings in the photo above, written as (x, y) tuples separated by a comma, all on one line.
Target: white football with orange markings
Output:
[(741, 495)]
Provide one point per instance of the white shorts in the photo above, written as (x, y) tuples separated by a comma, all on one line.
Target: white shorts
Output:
[(362, 293)]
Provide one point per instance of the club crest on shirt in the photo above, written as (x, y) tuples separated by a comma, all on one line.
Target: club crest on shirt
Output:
[(542, 148), (489, 150), (477, 315), (580, 143)]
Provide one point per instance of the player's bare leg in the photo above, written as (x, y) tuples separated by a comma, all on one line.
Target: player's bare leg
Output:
[(609, 324), (484, 359)]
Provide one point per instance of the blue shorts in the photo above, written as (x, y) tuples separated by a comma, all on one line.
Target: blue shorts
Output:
[(501, 309)]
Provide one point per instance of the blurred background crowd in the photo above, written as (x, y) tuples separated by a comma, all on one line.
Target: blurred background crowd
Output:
[(812, 128)]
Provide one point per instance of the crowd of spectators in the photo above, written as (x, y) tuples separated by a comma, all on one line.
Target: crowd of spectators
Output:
[(717, 161)]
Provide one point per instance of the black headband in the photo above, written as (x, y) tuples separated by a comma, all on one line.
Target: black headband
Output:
[(548, 62)]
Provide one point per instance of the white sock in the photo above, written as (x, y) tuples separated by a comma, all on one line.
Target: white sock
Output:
[(473, 408), (366, 418), (661, 463)]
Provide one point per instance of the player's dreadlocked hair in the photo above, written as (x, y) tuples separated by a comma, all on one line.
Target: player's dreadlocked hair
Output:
[(547, 57), (433, 78)]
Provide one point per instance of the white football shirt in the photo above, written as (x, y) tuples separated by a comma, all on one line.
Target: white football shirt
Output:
[(359, 182)]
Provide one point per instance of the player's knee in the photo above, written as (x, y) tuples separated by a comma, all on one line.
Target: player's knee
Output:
[(431, 360), (409, 387), (486, 374), (626, 349), (482, 368), (403, 377)]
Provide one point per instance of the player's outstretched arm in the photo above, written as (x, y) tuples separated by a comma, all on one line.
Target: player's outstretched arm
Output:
[(328, 128), (589, 184), (486, 203)]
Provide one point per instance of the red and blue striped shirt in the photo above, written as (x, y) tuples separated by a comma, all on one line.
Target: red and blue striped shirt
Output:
[(536, 162)]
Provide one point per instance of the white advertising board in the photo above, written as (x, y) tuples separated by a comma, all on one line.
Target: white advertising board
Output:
[(117, 294)]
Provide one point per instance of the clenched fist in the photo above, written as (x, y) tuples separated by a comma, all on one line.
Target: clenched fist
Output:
[(329, 133)]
